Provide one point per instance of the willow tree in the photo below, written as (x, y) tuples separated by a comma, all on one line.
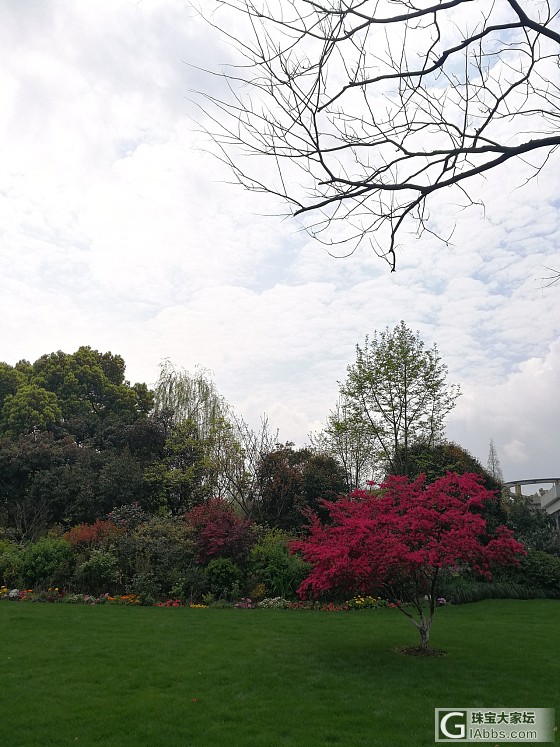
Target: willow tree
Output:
[(397, 389), (233, 450)]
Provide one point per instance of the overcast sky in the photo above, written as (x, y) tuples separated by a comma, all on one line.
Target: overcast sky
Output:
[(117, 231)]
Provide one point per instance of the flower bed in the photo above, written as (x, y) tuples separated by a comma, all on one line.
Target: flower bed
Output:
[(57, 595)]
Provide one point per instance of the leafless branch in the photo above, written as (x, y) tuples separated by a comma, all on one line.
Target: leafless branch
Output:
[(366, 108)]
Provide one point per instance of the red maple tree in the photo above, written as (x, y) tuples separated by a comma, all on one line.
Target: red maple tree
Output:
[(396, 540)]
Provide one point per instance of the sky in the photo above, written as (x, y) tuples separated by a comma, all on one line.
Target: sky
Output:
[(118, 230)]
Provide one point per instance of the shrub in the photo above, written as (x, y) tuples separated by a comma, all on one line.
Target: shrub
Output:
[(191, 584), (47, 562), (100, 534), (147, 587), (10, 561), (224, 577), (220, 532), (128, 516), (466, 591), (161, 547), (97, 574), (272, 565), (538, 569)]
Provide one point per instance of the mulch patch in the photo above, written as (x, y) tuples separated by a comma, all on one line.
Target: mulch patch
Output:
[(419, 651)]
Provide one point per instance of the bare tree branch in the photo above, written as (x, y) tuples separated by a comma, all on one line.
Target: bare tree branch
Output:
[(367, 108)]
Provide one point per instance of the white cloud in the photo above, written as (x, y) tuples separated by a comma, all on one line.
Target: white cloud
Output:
[(118, 232)]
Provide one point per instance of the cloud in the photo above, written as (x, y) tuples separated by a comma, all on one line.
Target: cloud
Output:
[(119, 232)]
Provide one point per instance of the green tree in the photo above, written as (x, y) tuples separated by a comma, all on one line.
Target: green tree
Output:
[(183, 476), (91, 388), (292, 481), (349, 440), (10, 381), (31, 408), (397, 389)]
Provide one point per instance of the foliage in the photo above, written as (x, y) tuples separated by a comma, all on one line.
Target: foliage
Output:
[(436, 460), (90, 386), (350, 440), (465, 591), (30, 408), (181, 478), (47, 479), (271, 564), (10, 560), (128, 516), (399, 540), (397, 388), (538, 570), (100, 534), (191, 405), (532, 526), (75, 440), (220, 532), (98, 573), (47, 562), (146, 587), (292, 481), (156, 554), (224, 577)]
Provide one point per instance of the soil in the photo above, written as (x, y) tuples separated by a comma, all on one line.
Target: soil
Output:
[(419, 651)]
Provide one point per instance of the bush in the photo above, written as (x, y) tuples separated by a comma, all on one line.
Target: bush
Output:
[(272, 565), (191, 584), (128, 516), (147, 587), (537, 570), (475, 591), (220, 532), (97, 574), (224, 578), (10, 561), (47, 562), (100, 534), (162, 548)]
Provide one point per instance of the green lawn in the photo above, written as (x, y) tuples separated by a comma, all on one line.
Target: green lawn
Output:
[(137, 677)]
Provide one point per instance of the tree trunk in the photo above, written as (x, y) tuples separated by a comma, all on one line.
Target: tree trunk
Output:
[(424, 630)]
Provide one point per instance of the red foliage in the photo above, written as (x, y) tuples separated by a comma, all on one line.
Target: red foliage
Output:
[(220, 532), (90, 535), (399, 538)]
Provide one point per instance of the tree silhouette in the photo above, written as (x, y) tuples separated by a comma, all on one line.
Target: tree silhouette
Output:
[(363, 110)]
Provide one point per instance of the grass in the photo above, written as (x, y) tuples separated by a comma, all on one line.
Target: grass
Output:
[(129, 676)]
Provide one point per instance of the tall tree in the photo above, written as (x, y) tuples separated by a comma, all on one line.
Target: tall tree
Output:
[(493, 466), (367, 108), (397, 388), (30, 408)]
